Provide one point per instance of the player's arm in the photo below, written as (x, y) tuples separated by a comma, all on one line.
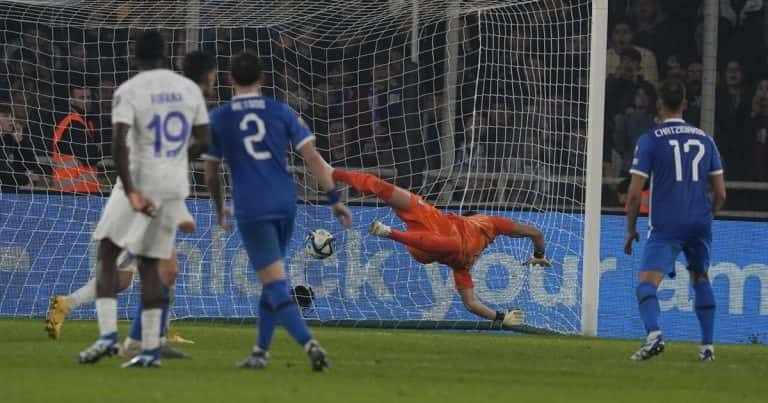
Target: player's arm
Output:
[(642, 166), (517, 230), (212, 170), (634, 199), (199, 143), (717, 186), (322, 171), (120, 154), (716, 179), (213, 181)]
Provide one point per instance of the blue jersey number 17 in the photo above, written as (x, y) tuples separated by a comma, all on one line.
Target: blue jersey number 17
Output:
[(696, 159)]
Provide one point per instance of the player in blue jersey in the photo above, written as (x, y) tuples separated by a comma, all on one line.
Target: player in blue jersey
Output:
[(252, 133), (683, 165)]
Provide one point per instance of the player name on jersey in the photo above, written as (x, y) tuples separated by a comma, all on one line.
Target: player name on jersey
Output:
[(166, 97), (670, 130), (248, 104)]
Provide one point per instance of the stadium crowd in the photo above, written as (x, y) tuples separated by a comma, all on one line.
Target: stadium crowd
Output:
[(373, 106)]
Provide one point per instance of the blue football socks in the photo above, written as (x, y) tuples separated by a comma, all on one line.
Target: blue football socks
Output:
[(649, 306), (267, 322), (286, 311), (704, 304)]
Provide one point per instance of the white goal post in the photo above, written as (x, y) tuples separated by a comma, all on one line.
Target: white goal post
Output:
[(488, 105)]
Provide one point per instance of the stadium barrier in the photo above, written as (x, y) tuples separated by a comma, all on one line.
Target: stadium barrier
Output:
[(45, 249)]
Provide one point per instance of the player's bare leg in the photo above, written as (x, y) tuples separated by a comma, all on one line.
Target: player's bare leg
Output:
[(277, 305), (106, 305), (61, 305), (649, 313), (152, 300), (513, 317)]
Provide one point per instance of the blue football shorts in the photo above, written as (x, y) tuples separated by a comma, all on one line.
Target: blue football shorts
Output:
[(661, 253), (266, 241)]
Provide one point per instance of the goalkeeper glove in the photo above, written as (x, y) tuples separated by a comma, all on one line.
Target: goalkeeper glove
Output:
[(538, 259)]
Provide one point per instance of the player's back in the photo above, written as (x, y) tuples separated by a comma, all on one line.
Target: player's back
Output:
[(161, 107), (252, 133), (476, 233), (678, 158)]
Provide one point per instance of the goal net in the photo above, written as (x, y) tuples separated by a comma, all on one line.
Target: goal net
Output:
[(473, 105)]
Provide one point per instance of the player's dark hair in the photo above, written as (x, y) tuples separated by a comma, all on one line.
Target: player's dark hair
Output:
[(197, 65), (672, 93), (469, 213), (150, 48), (6, 109), (245, 68)]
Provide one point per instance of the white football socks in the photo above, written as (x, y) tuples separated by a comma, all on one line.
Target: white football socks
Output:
[(150, 328), (82, 295), (106, 313)]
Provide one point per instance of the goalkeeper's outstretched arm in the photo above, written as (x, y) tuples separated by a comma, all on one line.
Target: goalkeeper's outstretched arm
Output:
[(518, 230)]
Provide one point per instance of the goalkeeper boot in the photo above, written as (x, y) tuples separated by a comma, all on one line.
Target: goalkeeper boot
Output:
[(143, 361), (317, 356), (377, 228), (101, 348), (654, 345), (707, 353), (57, 312), (257, 360)]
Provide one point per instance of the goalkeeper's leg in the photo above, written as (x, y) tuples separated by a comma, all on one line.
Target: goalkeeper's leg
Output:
[(61, 305), (365, 183)]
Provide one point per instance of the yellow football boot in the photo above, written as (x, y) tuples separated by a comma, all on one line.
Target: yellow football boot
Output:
[(57, 312)]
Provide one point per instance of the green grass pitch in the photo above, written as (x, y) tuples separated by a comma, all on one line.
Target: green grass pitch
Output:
[(377, 366)]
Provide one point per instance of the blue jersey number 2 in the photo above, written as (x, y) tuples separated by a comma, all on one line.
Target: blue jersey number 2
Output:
[(172, 129), (252, 138)]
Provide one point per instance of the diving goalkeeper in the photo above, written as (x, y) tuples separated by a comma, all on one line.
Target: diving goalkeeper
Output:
[(453, 240)]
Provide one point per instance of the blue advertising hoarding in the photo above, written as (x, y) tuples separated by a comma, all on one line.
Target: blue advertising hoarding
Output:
[(45, 249)]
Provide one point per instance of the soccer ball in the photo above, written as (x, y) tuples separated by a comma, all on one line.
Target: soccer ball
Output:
[(320, 244)]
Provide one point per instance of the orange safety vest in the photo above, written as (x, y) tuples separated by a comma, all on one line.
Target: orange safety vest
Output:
[(69, 175)]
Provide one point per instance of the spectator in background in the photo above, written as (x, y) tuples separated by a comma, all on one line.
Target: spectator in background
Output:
[(740, 31), (758, 129), (622, 37), (76, 146), (622, 83), (693, 75), (649, 23), (673, 68), (106, 91), (635, 121), (18, 164), (733, 106)]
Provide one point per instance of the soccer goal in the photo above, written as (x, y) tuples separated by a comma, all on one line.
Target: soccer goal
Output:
[(493, 106)]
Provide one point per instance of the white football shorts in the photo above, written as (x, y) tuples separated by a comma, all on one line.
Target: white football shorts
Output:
[(139, 233)]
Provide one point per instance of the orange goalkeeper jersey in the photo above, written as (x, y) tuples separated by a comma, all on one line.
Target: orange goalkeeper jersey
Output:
[(476, 233)]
